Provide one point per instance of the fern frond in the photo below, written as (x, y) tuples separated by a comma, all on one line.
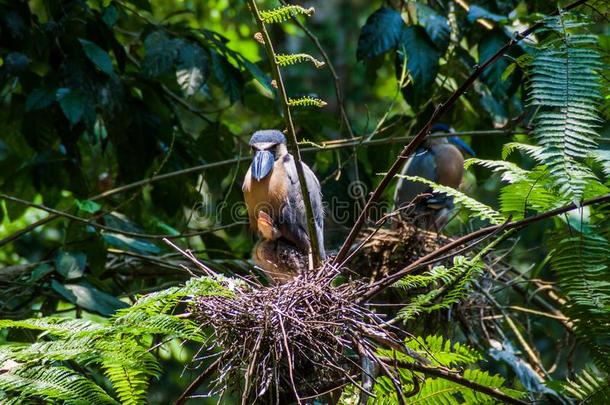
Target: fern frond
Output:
[(481, 210), (284, 13), (588, 388), (293, 59), (139, 323), (565, 83), (603, 158), (510, 172), (432, 277), (306, 102), (129, 367), (442, 352), (532, 151), (53, 325), (581, 265), (452, 291), (53, 384)]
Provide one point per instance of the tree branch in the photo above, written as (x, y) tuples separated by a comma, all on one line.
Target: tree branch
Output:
[(422, 134), (292, 137), (454, 377), (197, 382), (434, 256), (330, 145), (87, 221)]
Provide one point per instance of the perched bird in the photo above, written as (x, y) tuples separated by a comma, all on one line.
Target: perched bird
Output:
[(441, 161), (271, 187)]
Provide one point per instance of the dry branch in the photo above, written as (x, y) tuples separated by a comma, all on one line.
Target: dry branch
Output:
[(423, 133)]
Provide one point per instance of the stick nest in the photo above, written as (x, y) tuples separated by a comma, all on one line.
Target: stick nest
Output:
[(286, 341), (392, 248)]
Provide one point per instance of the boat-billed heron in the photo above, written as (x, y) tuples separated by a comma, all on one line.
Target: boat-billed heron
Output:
[(272, 187), (441, 160)]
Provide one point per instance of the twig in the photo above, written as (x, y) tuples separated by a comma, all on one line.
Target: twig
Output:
[(292, 137), (391, 279), (336, 144), (86, 221), (197, 382), (422, 134), (456, 378)]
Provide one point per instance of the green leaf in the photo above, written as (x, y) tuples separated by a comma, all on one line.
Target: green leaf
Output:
[(89, 298), (40, 98), (492, 76), (192, 68), (228, 76), (88, 206), (97, 55), (40, 271), (142, 4), (161, 52), (475, 12), (131, 244), (72, 103), (436, 25), (110, 15), (422, 61), (380, 33), (71, 264)]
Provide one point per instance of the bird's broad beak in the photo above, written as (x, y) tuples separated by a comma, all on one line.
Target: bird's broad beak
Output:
[(262, 164)]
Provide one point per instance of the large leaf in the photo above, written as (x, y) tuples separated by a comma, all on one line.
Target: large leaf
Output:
[(422, 62), (72, 103), (40, 98), (97, 55), (436, 25), (161, 53), (192, 69), (228, 76), (89, 298), (380, 33), (71, 264), (492, 76)]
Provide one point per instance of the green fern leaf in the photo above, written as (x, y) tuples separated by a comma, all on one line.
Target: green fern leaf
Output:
[(565, 83), (588, 388), (284, 13), (478, 209), (293, 59), (53, 384), (306, 102), (581, 264)]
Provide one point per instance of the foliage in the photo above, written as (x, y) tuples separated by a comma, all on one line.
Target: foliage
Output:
[(565, 86), (438, 390), (134, 115), (60, 364)]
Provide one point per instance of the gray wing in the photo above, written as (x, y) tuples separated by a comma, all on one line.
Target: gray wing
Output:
[(421, 164), (294, 218)]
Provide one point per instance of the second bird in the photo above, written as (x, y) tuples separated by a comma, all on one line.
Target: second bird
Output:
[(439, 160), (272, 186)]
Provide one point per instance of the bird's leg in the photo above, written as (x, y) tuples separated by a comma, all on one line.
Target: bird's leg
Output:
[(266, 227)]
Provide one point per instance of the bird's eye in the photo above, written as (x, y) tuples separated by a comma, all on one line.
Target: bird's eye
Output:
[(253, 148)]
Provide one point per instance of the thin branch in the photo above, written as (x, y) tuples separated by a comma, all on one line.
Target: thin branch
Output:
[(87, 221), (292, 137), (432, 257), (197, 382), (423, 133), (330, 145), (454, 377)]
